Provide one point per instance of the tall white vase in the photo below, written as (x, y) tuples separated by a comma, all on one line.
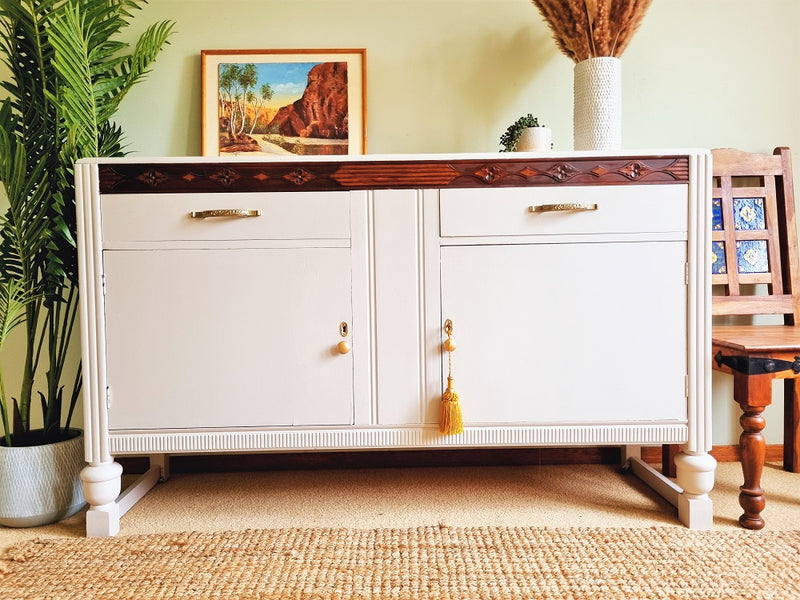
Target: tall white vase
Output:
[(597, 116)]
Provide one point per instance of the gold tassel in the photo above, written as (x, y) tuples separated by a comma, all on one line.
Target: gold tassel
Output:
[(450, 420)]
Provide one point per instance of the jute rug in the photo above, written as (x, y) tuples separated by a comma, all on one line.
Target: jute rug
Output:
[(420, 563)]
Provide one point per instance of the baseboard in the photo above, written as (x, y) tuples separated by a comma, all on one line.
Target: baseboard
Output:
[(209, 463)]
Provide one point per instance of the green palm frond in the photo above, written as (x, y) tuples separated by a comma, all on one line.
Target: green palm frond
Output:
[(25, 225), (100, 76), (68, 76), (14, 300)]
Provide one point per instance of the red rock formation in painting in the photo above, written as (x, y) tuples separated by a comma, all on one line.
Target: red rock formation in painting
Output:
[(322, 111)]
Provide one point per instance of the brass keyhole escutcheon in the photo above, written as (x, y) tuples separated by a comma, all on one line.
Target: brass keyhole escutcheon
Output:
[(449, 345), (448, 327), (343, 347)]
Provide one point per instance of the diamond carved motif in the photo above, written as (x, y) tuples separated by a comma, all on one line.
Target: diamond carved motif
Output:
[(262, 177), (225, 176), (527, 172), (561, 172), (112, 178), (299, 176), (634, 170), (490, 173), (152, 177)]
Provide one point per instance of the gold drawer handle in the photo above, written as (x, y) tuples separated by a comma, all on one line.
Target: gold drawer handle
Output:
[(561, 207), (224, 212)]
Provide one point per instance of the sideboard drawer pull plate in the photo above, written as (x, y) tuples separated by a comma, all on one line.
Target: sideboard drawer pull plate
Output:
[(561, 207), (224, 212)]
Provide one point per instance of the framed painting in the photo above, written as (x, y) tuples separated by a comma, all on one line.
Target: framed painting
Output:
[(294, 102)]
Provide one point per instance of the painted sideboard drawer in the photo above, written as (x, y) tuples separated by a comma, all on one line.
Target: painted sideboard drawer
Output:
[(168, 217), (611, 209)]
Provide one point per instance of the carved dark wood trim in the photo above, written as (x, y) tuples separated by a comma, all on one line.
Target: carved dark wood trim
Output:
[(283, 176)]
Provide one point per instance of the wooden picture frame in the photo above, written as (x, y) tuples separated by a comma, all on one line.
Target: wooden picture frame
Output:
[(294, 102)]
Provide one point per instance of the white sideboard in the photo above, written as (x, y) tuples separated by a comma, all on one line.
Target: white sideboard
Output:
[(250, 305)]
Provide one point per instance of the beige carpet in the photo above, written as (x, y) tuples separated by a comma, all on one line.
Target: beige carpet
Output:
[(530, 495), (556, 497), (420, 563)]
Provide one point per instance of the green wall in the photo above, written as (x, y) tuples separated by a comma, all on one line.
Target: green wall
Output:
[(449, 76)]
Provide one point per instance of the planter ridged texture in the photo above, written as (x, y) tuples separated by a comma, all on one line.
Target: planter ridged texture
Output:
[(535, 138), (597, 116), (41, 484)]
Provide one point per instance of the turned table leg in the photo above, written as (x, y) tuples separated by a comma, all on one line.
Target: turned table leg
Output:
[(753, 394), (791, 423)]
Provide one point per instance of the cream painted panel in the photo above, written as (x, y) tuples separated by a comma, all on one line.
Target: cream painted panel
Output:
[(572, 333), (233, 338), (167, 217), (620, 209), (397, 221)]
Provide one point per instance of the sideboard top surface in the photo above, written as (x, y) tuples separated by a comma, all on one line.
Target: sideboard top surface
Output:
[(246, 174)]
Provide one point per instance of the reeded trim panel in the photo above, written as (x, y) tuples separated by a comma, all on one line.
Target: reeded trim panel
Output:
[(287, 176), (395, 438)]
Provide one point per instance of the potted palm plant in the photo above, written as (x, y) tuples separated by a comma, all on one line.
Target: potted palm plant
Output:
[(68, 76)]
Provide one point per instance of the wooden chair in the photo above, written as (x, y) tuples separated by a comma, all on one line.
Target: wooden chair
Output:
[(755, 268)]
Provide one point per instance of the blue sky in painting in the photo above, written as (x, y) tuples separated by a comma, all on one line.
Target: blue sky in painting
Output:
[(285, 78)]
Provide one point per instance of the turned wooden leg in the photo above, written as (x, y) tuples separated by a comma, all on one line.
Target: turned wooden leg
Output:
[(753, 448), (695, 475), (791, 424), (102, 484), (753, 394)]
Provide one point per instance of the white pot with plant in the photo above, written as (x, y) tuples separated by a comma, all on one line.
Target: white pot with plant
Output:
[(63, 90), (526, 135)]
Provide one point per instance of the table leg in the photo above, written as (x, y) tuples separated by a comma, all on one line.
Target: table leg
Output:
[(791, 424), (753, 393)]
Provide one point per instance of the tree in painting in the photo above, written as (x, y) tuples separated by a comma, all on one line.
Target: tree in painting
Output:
[(265, 94)]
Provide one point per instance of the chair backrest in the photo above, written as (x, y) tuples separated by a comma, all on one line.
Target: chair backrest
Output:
[(754, 237)]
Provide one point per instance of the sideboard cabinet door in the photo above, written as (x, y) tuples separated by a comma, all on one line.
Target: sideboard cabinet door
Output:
[(566, 332), (228, 337)]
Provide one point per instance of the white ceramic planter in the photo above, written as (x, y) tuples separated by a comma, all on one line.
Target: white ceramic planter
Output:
[(535, 138), (41, 484)]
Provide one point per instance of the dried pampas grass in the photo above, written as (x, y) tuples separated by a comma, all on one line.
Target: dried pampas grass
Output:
[(588, 28)]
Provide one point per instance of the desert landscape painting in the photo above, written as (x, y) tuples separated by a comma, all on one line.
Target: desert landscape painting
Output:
[(294, 108), (294, 102), (276, 103)]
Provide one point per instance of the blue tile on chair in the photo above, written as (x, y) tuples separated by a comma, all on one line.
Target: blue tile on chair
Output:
[(718, 266), (716, 214), (748, 213), (751, 256)]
